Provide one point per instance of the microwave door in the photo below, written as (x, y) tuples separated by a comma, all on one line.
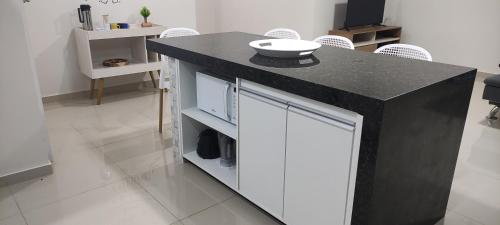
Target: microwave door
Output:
[(211, 95)]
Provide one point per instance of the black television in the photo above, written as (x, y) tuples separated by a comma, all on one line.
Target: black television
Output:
[(364, 13)]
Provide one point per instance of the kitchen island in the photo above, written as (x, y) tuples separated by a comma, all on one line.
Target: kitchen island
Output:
[(341, 137)]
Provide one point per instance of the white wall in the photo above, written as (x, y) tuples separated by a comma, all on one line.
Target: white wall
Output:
[(50, 25), (207, 16), (460, 32), (445, 27), (310, 18), (24, 143)]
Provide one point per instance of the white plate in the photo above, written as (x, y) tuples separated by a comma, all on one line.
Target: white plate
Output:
[(285, 48)]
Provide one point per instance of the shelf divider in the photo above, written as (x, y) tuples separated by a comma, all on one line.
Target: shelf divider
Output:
[(211, 121)]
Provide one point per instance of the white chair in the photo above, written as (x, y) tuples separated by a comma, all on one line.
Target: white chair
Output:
[(405, 51), (164, 73), (283, 33), (175, 32), (335, 41)]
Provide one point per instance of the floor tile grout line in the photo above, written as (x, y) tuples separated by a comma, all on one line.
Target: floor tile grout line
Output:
[(17, 205), (209, 207), (90, 149), (474, 170), (116, 164), (166, 208), (83, 136), (133, 179), (102, 145), (465, 216), (69, 197), (154, 198), (131, 138)]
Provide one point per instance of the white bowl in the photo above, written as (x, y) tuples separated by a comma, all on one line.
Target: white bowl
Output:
[(285, 48)]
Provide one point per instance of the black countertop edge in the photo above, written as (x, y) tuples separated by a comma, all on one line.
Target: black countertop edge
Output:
[(228, 55), (320, 93)]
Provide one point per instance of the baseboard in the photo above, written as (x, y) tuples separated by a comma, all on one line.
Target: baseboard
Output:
[(483, 74), (26, 175), (107, 91)]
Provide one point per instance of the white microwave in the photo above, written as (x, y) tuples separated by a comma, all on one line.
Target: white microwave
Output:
[(216, 96)]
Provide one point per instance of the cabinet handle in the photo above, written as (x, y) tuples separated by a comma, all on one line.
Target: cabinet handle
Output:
[(322, 118), (263, 99)]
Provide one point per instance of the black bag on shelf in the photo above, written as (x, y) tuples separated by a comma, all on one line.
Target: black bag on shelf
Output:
[(208, 145)]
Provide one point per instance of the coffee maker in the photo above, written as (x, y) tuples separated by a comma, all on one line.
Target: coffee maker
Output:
[(85, 17)]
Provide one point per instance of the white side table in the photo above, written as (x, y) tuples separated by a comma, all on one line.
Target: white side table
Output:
[(96, 46)]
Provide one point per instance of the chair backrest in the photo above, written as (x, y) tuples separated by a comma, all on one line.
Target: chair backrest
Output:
[(173, 32), (178, 32), (283, 33), (335, 41), (405, 51)]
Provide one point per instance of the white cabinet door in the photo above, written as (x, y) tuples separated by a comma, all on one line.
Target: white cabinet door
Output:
[(262, 130), (318, 157)]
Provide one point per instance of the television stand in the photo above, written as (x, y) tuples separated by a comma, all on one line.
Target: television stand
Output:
[(369, 38)]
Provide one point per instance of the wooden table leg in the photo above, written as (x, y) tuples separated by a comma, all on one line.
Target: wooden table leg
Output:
[(100, 91), (160, 125), (152, 78), (92, 87)]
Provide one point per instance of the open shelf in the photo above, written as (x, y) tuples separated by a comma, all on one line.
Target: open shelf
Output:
[(369, 38), (226, 175), (134, 66), (376, 41), (193, 121), (211, 121), (96, 46)]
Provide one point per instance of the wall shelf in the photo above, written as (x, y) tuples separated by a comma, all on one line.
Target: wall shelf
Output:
[(211, 121)]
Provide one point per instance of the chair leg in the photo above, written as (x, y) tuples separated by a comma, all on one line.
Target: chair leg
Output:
[(160, 125), (92, 88), (100, 91), (493, 113), (152, 78)]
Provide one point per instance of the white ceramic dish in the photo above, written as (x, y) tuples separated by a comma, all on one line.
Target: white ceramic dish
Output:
[(285, 48)]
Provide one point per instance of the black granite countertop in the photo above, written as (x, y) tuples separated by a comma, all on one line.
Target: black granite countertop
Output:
[(377, 77)]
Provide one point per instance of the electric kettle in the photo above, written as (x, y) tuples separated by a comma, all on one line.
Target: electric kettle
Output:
[(85, 17)]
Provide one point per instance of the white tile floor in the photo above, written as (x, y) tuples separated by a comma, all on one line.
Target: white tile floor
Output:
[(112, 167)]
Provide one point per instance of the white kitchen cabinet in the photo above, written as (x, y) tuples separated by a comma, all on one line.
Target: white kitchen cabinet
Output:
[(296, 158), (262, 132), (318, 162)]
